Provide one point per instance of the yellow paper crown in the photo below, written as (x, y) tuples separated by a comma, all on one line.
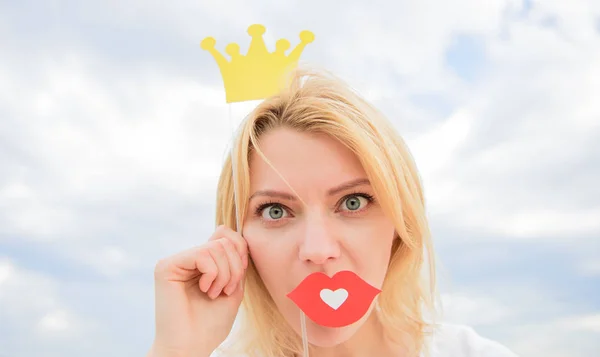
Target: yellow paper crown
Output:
[(258, 74)]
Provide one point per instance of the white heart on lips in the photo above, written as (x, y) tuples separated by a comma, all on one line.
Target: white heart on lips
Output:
[(334, 299)]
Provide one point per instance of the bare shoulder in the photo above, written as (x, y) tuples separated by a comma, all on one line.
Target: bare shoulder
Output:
[(451, 340)]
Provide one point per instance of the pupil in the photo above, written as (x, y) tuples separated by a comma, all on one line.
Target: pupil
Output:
[(275, 212), (353, 203)]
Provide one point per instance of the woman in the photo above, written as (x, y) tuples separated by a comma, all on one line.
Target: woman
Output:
[(324, 184)]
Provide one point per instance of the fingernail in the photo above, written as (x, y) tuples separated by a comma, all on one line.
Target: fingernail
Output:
[(230, 289)]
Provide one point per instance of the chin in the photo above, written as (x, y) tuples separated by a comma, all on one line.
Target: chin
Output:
[(324, 337), (329, 336)]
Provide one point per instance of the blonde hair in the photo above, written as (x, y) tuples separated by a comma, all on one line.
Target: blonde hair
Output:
[(318, 102)]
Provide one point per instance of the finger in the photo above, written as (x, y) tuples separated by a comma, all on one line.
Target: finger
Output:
[(207, 266), (240, 243), (185, 265), (220, 257), (236, 269)]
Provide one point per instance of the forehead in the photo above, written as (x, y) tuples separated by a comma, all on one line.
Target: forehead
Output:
[(303, 159)]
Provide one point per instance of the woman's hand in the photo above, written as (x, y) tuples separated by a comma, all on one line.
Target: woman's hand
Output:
[(198, 293)]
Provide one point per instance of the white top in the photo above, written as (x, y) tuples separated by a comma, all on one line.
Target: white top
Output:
[(450, 340)]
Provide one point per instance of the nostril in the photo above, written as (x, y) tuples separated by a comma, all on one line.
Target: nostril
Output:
[(319, 253)]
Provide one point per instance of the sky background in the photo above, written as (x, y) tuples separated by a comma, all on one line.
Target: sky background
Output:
[(113, 127)]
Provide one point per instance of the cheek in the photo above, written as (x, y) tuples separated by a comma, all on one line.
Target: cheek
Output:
[(271, 258), (371, 251), (373, 239)]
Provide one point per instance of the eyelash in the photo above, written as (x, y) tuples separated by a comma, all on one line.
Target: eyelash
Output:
[(369, 198)]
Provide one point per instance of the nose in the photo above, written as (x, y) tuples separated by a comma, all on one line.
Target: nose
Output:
[(320, 243)]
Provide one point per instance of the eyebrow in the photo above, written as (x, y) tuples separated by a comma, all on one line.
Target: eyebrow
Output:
[(333, 191)]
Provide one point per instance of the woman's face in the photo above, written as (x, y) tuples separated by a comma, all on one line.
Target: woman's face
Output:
[(327, 228)]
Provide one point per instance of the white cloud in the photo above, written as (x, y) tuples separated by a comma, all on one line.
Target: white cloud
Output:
[(109, 260), (17, 293), (171, 136), (54, 321), (557, 338), (28, 213), (44, 315), (30, 300), (589, 267), (447, 137), (589, 323), (473, 310), (488, 166), (6, 271), (502, 315)]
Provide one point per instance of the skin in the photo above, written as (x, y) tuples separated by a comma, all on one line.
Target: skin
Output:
[(311, 231)]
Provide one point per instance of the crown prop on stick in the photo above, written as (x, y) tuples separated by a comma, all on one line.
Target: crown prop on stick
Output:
[(259, 73), (256, 75)]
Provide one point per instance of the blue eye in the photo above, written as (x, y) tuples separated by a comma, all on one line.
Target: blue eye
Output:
[(273, 212), (353, 202), (270, 211)]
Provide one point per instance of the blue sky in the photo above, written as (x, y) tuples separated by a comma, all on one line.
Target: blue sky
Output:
[(113, 127)]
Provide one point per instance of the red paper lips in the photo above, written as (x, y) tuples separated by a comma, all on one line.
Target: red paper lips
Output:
[(334, 302)]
